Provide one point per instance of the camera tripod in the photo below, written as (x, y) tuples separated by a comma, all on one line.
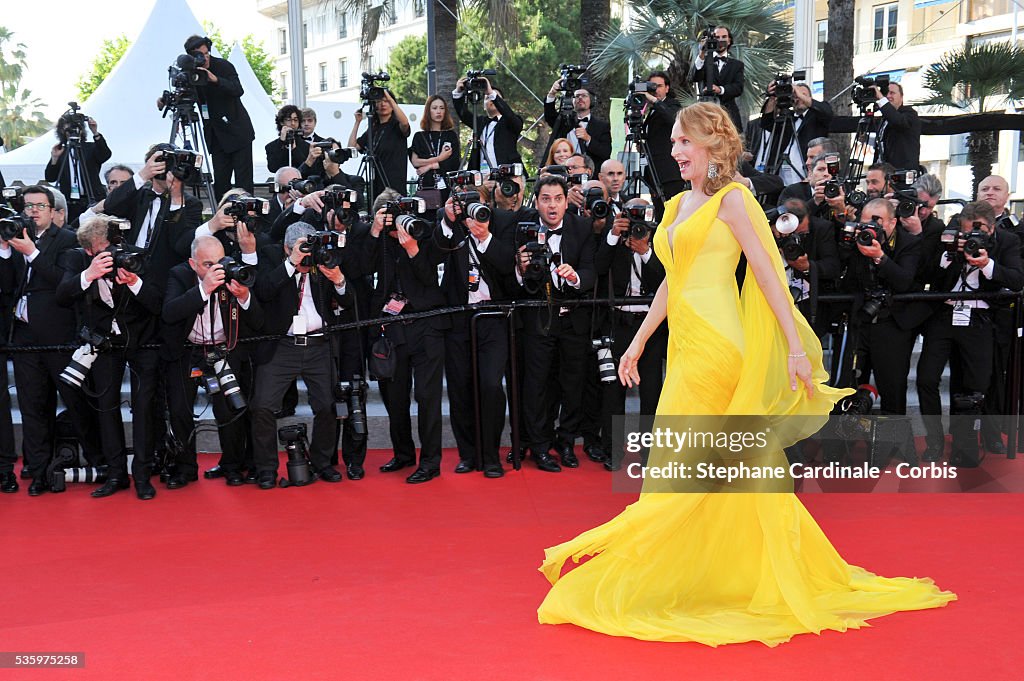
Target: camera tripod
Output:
[(855, 166), (369, 166), (775, 154), (73, 160), (636, 147), (474, 141), (187, 124)]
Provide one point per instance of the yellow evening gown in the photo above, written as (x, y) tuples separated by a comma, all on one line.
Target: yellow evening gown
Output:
[(720, 568)]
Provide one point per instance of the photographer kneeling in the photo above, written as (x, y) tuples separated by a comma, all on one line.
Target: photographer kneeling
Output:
[(301, 295), (808, 245), (208, 303), (977, 257)]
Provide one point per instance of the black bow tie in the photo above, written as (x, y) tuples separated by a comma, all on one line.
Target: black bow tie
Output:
[(310, 140), (585, 120), (554, 232)]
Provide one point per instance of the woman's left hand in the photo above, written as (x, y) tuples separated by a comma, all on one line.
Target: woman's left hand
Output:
[(800, 368)]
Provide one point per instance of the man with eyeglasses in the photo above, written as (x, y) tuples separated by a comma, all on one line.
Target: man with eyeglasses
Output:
[(586, 133), (660, 116), (32, 266)]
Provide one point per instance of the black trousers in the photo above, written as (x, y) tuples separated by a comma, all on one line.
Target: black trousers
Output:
[(887, 349), (570, 348), (8, 456), (232, 427), (492, 344), (422, 361), (651, 368), (973, 347), (313, 363), (237, 163), (996, 399), (36, 376)]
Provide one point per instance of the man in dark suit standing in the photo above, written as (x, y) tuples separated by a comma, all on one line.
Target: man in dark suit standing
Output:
[(554, 331), (662, 170), (200, 308), (811, 120), (898, 137), (497, 131), (586, 133), (37, 263), (123, 308), (299, 299), (77, 178), (724, 74), (229, 132)]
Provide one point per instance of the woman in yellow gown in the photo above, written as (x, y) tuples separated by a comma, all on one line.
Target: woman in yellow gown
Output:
[(723, 567)]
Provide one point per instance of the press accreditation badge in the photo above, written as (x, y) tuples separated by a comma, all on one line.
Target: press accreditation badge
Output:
[(395, 304), (205, 112), (961, 314), (299, 325)]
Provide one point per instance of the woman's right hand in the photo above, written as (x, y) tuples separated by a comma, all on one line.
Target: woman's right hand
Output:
[(628, 374)]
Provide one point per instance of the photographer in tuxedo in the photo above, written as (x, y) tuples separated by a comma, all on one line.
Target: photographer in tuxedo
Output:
[(123, 308), (164, 216), (407, 282), (811, 119), (498, 130), (662, 107), (625, 255), (64, 169), (203, 308), (556, 264), (965, 327), (898, 137), (586, 133), (808, 245), (299, 298), (228, 130), (727, 79), (289, 148), (479, 268), (34, 266)]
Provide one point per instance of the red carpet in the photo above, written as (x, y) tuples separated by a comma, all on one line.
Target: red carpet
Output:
[(378, 579)]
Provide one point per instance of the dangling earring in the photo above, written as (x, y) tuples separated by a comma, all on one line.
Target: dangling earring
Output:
[(712, 171)]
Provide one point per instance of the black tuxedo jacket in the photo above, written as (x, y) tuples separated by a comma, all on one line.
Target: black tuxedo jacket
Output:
[(657, 130), (183, 302), (730, 78), (138, 316), (577, 249), (228, 127), (280, 154), (51, 322), (901, 140), (497, 263), (171, 243), (895, 273), (317, 168), (1007, 273), (598, 148), (506, 132), (618, 261), (95, 154), (816, 121)]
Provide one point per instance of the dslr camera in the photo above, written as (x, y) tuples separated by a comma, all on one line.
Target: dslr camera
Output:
[(74, 123), (975, 240), (351, 404), (902, 182), (323, 248), (406, 211), (593, 201), (470, 205), (538, 269), (341, 200), (182, 163), (864, 96), (371, 90), (341, 154), (13, 197), (641, 221), (304, 187), (244, 274), (13, 222), (504, 175), (296, 446), (784, 90), (239, 207), (218, 377), (570, 83), (476, 84), (605, 362), (863, 233), (75, 373)]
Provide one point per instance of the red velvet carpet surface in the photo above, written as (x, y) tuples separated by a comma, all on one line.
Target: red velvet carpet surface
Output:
[(378, 579)]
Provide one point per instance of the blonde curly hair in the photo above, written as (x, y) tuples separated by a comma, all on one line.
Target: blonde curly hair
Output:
[(708, 125)]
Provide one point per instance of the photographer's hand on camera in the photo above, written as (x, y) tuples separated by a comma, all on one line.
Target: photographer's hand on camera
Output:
[(912, 223), (246, 238), (214, 279), (333, 275), (238, 291), (382, 220), (211, 76), (575, 196), (56, 151), (93, 126), (411, 246), (801, 264), (314, 154), (481, 231), (101, 265), (874, 251), (312, 201), (639, 246), (620, 226), (154, 167), (23, 244), (127, 278), (981, 261)]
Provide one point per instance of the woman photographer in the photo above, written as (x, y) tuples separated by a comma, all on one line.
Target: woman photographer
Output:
[(435, 148), (389, 148), (289, 149)]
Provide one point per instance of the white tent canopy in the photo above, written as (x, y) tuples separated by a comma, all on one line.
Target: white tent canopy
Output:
[(124, 105)]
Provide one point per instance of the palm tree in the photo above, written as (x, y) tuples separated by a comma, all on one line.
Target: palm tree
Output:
[(595, 16), (20, 116), (970, 78), (667, 31)]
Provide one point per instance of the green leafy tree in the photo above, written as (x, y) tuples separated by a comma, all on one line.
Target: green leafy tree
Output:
[(407, 65), (255, 53), (110, 54), (21, 116), (970, 79)]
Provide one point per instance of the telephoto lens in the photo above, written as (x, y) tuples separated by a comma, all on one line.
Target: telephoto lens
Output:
[(605, 362), (229, 385), (300, 472), (75, 372)]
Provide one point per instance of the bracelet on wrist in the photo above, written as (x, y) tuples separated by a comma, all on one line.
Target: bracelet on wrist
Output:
[(798, 355)]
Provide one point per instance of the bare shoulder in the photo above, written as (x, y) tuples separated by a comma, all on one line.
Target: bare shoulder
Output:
[(733, 209)]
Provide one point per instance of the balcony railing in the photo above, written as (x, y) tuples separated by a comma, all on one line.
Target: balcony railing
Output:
[(323, 86)]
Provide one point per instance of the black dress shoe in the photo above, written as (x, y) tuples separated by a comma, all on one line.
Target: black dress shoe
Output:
[(522, 455), (267, 479), (611, 465), (420, 475), (109, 487), (37, 487), (214, 473), (329, 474), (177, 481), (567, 455), (546, 462), (465, 467), (8, 483), (996, 447), (25, 473), (355, 471), (234, 478), (394, 465), (595, 453), (251, 477), (495, 471), (144, 490)]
